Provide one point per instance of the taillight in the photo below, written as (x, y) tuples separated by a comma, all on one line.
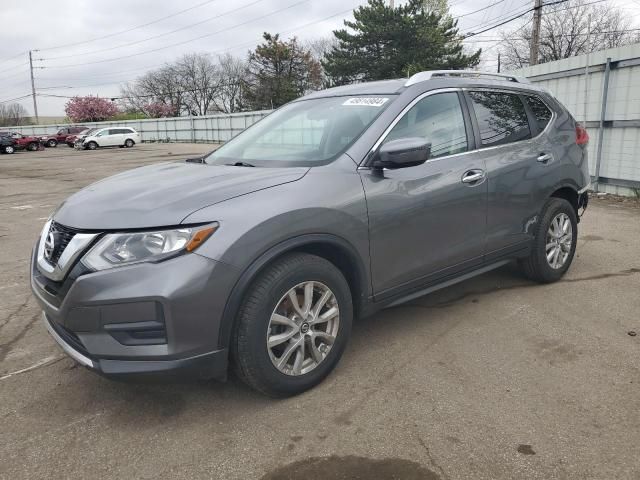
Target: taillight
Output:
[(582, 137)]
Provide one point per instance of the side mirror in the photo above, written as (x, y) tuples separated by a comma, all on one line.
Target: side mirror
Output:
[(403, 152)]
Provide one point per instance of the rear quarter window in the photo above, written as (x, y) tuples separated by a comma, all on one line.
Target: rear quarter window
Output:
[(540, 111), (501, 118)]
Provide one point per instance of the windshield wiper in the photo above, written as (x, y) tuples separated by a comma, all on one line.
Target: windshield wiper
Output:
[(239, 164)]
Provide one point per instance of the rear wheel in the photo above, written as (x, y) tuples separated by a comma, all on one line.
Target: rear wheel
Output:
[(129, 143), (554, 244), (32, 147), (9, 149), (92, 145), (52, 143), (293, 325)]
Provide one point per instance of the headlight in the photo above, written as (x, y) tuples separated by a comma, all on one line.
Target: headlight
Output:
[(118, 249)]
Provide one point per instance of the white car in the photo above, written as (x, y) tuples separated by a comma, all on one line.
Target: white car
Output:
[(111, 137)]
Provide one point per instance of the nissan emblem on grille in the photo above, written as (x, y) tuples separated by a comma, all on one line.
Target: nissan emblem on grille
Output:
[(49, 245)]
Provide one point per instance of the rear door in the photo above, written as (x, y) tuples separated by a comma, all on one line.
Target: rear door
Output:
[(115, 137), (427, 221), (510, 145)]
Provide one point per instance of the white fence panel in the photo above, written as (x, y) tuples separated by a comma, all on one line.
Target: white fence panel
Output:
[(619, 159)]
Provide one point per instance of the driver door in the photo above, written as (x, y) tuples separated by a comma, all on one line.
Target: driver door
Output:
[(427, 221)]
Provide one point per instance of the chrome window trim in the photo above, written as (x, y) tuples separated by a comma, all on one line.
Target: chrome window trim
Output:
[(460, 89)]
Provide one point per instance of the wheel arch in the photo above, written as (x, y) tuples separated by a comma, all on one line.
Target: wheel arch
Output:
[(568, 193), (330, 247)]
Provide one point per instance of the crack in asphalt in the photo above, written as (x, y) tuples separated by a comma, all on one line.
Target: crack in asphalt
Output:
[(5, 348), (16, 312)]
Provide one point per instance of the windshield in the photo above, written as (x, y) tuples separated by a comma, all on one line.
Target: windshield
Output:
[(303, 133)]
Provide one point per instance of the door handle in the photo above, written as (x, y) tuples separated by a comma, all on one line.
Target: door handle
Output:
[(544, 157), (472, 176)]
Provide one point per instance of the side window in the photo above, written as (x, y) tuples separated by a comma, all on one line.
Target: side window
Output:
[(540, 111), (438, 119), (501, 118), (114, 131)]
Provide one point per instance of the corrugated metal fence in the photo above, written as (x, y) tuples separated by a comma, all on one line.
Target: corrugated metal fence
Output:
[(607, 101), (204, 129)]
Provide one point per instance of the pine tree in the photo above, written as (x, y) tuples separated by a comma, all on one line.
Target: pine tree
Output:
[(279, 72), (385, 42)]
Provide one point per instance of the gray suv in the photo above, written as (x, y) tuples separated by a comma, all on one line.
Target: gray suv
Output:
[(334, 206)]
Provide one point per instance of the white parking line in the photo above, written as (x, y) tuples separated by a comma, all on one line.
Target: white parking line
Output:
[(41, 363)]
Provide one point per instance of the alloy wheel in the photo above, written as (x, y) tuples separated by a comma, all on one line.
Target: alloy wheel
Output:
[(303, 328), (559, 241)]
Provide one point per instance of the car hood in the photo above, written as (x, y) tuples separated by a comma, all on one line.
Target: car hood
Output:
[(164, 194)]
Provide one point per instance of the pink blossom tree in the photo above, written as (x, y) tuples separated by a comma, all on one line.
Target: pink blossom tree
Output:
[(90, 109), (159, 110)]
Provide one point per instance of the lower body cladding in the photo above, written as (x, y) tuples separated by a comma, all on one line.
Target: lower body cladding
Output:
[(143, 319)]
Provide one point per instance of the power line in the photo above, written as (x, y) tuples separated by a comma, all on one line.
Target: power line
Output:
[(14, 67), (17, 98), (479, 10), (179, 43), (512, 19), (2, 60), (154, 36), (235, 47), (129, 29)]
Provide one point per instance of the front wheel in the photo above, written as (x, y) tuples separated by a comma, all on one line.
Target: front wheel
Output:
[(129, 143), (52, 143), (293, 325), (9, 149), (32, 147), (92, 145), (554, 244)]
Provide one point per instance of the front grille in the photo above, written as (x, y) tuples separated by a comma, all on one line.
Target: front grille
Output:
[(63, 236)]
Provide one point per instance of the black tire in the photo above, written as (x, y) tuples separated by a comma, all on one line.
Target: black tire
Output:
[(92, 145), (129, 143), (70, 145), (249, 350), (9, 149), (52, 143), (536, 267), (32, 147)]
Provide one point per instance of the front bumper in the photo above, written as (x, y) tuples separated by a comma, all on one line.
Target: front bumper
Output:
[(149, 318), (208, 365)]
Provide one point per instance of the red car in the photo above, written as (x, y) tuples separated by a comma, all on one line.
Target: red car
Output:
[(23, 142), (61, 136)]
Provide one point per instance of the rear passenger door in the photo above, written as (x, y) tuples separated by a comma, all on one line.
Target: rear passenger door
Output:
[(115, 137), (510, 143)]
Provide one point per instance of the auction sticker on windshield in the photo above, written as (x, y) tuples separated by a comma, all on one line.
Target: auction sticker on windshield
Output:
[(366, 101)]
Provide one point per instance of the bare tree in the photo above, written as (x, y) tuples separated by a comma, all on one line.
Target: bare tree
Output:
[(13, 114), (157, 86), (231, 71), (563, 33), (200, 83)]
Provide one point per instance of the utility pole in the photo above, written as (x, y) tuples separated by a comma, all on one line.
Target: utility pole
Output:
[(33, 89), (498, 62), (535, 33)]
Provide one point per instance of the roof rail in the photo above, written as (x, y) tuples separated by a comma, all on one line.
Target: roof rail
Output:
[(429, 74)]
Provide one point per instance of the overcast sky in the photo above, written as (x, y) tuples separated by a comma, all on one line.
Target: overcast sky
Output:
[(93, 46)]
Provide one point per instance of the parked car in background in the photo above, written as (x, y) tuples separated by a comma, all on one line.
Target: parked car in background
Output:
[(60, 136), (336, 205), (23, 142), (111, 137), (7, 144), (78, 137)]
